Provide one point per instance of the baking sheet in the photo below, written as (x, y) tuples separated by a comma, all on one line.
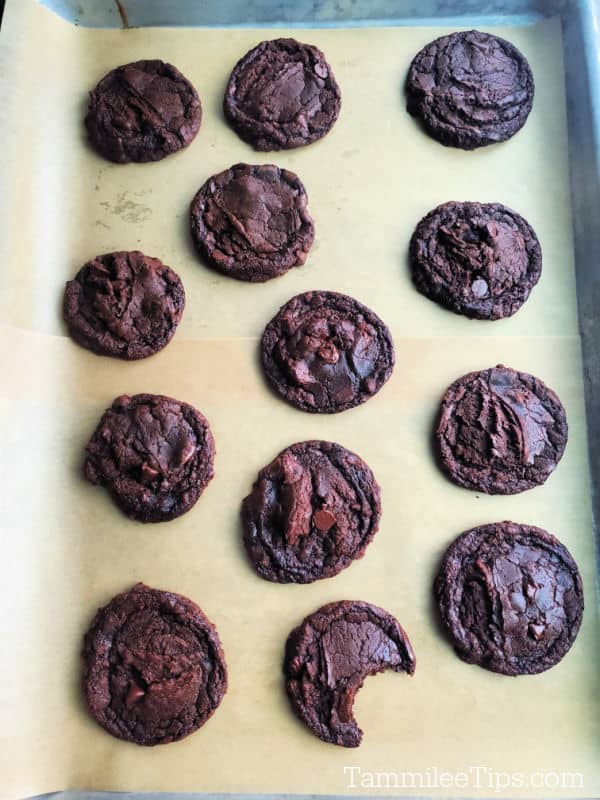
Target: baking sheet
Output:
[(67, 550)]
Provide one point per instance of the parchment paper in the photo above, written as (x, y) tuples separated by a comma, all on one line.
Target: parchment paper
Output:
[(67, 550)]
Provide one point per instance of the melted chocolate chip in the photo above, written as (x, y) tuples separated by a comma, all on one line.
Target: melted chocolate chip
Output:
[(511, 598), (142, 111), (124, 304), (325, 352), (282, 94), (154, 669), (154, 455), (328, 657), (500, 431), (470, 89), (478, 259), (252, 222), (312, 511)]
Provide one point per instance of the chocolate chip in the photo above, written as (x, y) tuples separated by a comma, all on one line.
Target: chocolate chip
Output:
[(134, 694), (537, 631), (148, 472), (323, 520), (479, 288)]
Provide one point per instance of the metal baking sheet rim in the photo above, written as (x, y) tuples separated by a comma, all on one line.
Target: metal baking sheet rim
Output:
[(581, 34)]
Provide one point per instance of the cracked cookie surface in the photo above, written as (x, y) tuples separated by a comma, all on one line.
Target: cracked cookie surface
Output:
[(312, 511), (282, 94), (500, 431), (329, 656), (153, 667), (477, 259), (142, 111), (154, 455), (251, 222), (470, 89), (510, 597), (325, 352), (124, 304)]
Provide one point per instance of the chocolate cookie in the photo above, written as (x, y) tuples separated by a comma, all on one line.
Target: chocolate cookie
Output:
[(153, 667), (325, 352), (124, 304), (500, 431), (470, 89), (153, 454), (328, 657), (251, 222), (282, 94), (478, 259), (312, 511), (511, 598), (142, 112)]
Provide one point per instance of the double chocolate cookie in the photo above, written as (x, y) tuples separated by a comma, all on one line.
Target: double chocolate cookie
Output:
[(510, 597), (500, 431), (470, 89), (142, 111), (153, 667), (154, 455), (282, 94), (124, 304), (312, 511), (478, 259), (325, 352), (328, 657), (252, 222)]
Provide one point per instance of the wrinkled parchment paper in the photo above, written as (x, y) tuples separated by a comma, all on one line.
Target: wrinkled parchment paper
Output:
[(67, 550)]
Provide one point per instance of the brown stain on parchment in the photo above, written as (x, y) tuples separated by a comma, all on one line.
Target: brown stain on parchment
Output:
[(128, 209)]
